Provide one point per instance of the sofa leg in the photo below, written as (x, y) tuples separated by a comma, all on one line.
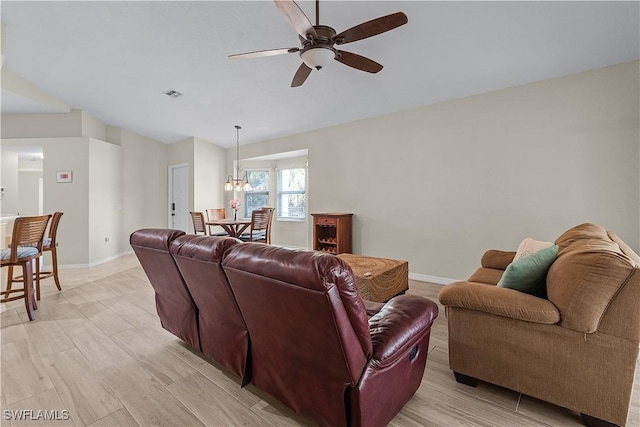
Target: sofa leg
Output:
[(465, 379), (590, 421)]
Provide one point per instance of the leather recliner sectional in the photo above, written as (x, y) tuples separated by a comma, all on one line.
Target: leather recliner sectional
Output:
[(290, 322)]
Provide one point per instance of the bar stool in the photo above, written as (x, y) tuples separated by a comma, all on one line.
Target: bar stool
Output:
[(50, 244), (26, 246)]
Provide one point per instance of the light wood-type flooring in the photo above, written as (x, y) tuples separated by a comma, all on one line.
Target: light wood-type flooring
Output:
[(97, 350)]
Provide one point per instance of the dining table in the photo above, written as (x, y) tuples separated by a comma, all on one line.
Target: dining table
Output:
[(235, 227)]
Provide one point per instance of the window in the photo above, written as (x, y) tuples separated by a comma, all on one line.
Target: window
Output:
[(258, 196), (291, 193)]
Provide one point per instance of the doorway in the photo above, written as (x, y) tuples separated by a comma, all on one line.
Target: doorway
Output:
[(22, 180), (179, 197)]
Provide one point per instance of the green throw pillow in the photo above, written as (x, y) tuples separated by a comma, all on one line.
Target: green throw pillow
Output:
[(529, 274)]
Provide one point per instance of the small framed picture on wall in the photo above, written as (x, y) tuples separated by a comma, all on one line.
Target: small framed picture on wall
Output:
[(64, 176)]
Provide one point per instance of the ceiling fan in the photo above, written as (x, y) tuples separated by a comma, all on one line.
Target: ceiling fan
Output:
[(318, 41)]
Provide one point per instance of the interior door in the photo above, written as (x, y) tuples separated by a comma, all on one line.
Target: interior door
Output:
[(179, 197)]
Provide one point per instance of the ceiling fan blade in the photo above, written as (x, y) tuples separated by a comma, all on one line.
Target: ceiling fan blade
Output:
[(301, 75), (358, 62), (261, 53), (296, 17), (371, 28)]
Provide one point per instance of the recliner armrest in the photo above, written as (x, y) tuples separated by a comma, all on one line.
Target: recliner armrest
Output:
[(402, 321), (499, 301)]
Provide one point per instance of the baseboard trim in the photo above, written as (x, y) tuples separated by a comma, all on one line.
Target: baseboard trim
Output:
[(431, 279)]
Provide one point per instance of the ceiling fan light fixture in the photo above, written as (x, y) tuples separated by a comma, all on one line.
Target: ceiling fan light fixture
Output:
[(318, 57), (318, 41)]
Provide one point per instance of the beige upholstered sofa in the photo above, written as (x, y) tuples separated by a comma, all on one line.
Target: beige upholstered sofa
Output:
[(577, 349)]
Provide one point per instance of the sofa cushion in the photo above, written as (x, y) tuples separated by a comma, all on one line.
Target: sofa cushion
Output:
[(22, 252), (490, 276), (497, 259), (528, 274), (499, 301), (585, 278), (580, 232), (624, 247), (529, 246)]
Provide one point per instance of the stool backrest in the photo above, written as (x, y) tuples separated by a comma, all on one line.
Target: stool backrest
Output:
[(53, 228), (27, 231)]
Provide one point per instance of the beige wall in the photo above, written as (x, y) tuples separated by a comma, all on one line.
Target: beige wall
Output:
[(283, 232), (439, 185), (72, 154), (105, 201), (183, 152), (9, 181), (29, 182), (208, 175), (29, 193), (92, 127), (436, 185), (49, 125), (144, 183), (116, 189)]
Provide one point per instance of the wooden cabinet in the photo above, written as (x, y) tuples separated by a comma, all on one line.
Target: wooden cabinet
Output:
[(332, 232)]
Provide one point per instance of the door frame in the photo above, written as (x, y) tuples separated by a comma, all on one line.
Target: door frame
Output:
[(170, 191)]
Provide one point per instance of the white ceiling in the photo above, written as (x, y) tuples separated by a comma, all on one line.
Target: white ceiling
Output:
[(115, 59)]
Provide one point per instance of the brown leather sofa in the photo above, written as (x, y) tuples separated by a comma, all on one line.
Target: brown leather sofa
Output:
[(223, 333), (577, 349), (193, 297), (298, 328), (175, 306)]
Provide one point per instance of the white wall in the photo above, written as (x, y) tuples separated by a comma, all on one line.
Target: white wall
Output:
[(439, 185)]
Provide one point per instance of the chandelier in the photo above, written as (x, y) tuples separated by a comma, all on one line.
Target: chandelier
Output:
[(237, 183)]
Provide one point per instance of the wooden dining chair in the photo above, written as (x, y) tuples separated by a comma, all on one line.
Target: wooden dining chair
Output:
[(26, 246), (259, 230), (213, 214), (198, 223), (271, 215)]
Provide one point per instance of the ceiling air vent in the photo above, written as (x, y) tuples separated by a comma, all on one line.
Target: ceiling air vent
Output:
[(173, 93)]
